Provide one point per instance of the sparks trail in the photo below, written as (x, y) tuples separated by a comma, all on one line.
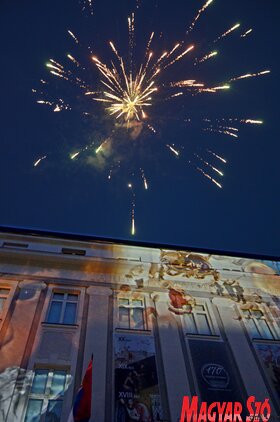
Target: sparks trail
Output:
[(209, 165), (37, 162), (144, 179), (250, 75), (199, 169), (172, 149), (205, 57), (229, 31), (133, 205), (246, 33), (199, 13), (217, 156)]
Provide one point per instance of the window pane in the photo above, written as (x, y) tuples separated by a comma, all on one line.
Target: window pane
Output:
[(123, 302), (253, 328), (190, 325), (55, 312), (124, 317), (137, 303), (39, 381), (33, 413), (58, 383), (2, 302), (72, 298), (70, 313), (58, 296), (203, 326), (4, 292), (137, 318), (264, 329), (54, 411)]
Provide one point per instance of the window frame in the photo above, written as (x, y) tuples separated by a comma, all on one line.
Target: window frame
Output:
[(46, 397), (209, 317), (5, 297), (64, 303), (130, 308), (257, 328)]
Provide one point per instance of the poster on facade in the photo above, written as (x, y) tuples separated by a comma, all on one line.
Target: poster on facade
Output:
[(270, 357), (137, 396), (214, 372)]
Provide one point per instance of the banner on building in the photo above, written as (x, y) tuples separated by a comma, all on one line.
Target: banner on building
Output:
[(137, 396)]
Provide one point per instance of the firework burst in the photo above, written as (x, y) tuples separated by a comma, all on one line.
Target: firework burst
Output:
[(129, 93)]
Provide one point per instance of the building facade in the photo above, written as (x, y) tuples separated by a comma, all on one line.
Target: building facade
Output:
[(161, 324)]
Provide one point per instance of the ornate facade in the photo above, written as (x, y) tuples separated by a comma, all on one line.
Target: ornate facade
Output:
[(161, 324)]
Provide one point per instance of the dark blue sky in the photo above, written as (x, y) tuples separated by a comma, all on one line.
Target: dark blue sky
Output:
[(180, 206)]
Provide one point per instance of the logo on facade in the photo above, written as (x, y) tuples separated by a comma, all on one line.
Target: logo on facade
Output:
[(215, 375), (225, 411)]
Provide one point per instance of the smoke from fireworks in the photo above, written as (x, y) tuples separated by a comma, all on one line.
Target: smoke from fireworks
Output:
[(126, 91)]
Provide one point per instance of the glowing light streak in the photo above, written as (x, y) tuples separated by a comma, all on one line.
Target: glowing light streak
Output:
[(209, 165), (246, 33), (209, 177), (73, 36), (206, 57), (252, 122), (73, 156), (229, 31), (180, 56), (250, 75), (198, 15), (217, 156), (173, 150), (39, 161)]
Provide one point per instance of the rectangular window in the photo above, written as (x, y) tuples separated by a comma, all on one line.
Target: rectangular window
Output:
[(198, 321), (4, 293), (46, 396), (63, 308), (257, 324), (131, 314)]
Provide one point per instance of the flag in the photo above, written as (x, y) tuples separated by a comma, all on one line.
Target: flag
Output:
[(81, 410)]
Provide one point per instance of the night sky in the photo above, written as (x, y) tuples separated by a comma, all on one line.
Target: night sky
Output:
[(181, 207)]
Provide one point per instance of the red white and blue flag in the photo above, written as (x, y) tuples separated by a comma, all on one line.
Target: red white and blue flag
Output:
[(81, 410)]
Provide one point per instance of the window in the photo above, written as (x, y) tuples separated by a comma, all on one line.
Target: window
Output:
[(198, 321), (131, 314), (4, 293), (46, 396), (63, 308), (256, 324), (70, 251)]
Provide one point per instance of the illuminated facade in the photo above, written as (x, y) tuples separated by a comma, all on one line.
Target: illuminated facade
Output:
[(161, 324)]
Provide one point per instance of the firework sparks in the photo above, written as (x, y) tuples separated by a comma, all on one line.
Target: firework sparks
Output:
[(127, 88), (173, 150), (144, 179), (199, 169), (73, 156), (250, 75), (37, 162), (73, 36), (252, 122), (133, 230), (246, 33), (229, 31), (209, 165), (87, 5), (206, 57), (217, 156), (199, 13)]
